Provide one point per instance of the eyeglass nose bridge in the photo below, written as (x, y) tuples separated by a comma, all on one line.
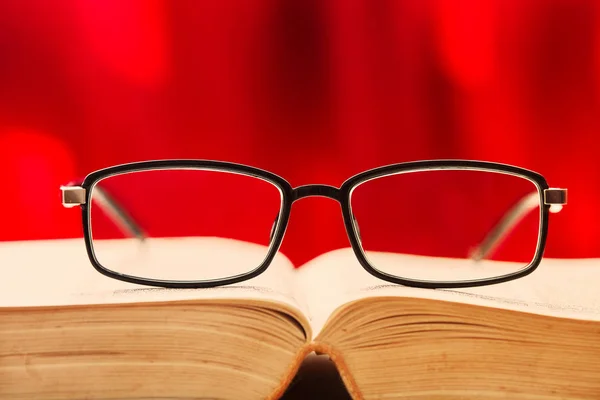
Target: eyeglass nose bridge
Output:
[(316, 190)]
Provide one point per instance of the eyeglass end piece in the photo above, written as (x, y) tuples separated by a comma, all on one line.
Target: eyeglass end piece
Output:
[(72, 196), (555, 197)]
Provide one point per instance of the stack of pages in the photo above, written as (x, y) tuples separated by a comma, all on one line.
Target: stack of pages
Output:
[(68, 332)]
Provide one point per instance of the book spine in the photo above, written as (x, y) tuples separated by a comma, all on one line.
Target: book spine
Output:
[(319, 348)]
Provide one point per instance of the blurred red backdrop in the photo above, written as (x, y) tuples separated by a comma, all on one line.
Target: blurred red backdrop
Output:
[(314, 91)]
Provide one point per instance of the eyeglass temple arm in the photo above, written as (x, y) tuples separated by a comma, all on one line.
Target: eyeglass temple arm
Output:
[(553, 197), (73, 196)]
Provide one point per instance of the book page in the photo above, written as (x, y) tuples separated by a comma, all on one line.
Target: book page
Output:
[(58, 272), (559, 287)]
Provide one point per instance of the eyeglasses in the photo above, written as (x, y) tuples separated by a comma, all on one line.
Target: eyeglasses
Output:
[(176, 223)]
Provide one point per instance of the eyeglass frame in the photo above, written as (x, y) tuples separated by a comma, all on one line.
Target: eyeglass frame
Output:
[(80, 194)]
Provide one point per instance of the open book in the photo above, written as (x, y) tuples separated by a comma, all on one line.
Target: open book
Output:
[(68, 332)]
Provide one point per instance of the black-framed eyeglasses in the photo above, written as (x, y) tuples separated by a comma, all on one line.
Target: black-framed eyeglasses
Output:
[(490, 219)]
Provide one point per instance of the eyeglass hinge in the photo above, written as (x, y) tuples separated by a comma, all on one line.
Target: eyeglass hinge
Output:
[(555, 196), (73, 196)]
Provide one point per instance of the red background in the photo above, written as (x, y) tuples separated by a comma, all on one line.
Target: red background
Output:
[(314, 91)]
